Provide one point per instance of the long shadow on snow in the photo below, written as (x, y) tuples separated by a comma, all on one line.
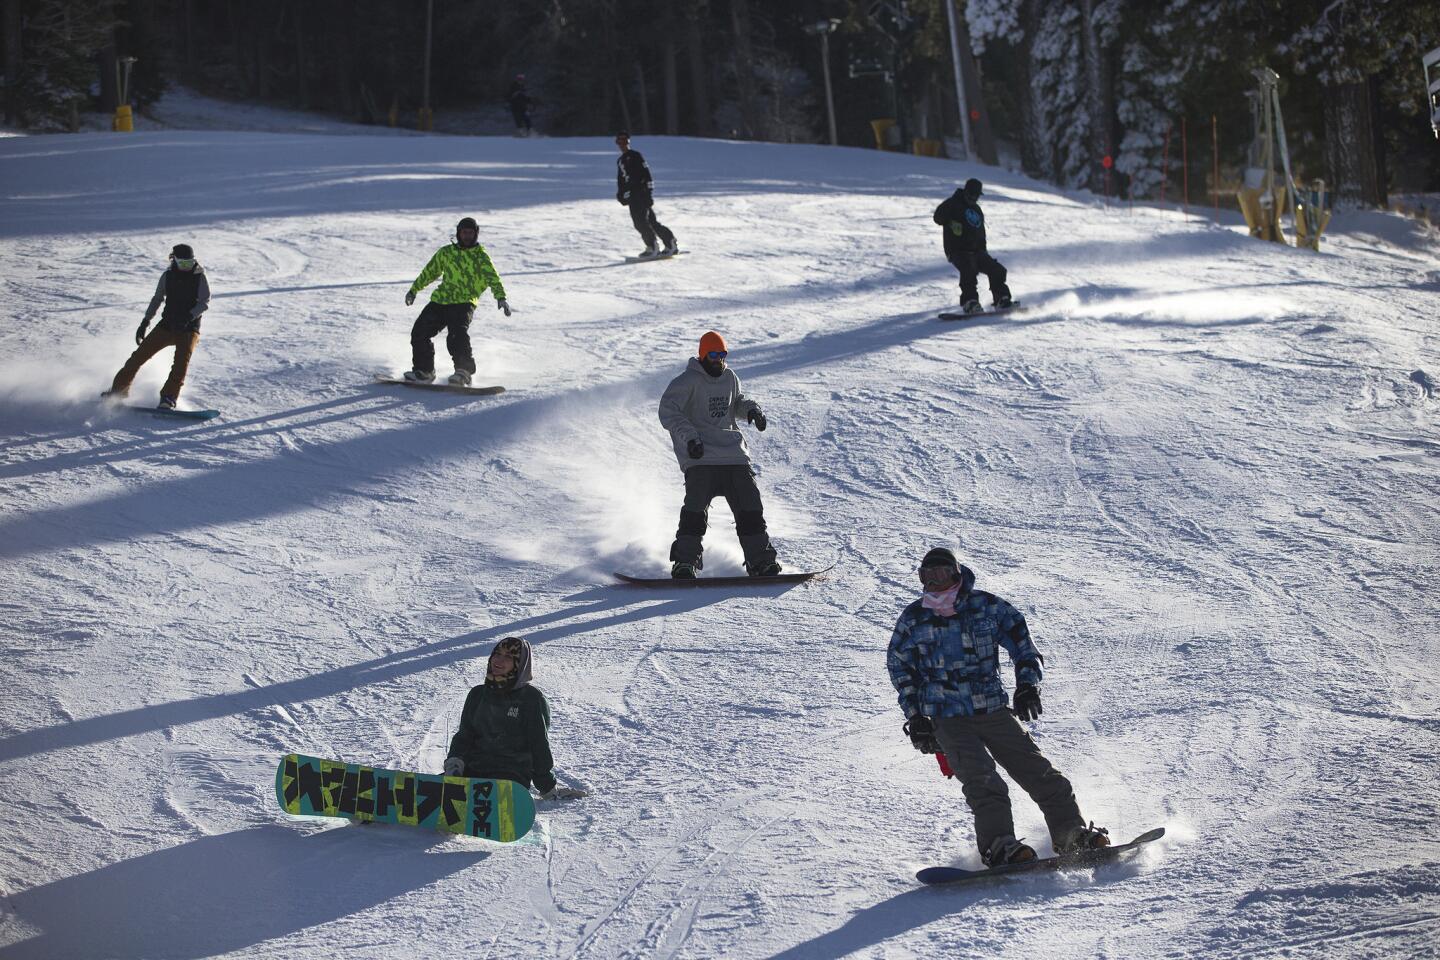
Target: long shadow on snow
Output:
[(253, 489), (628, 607), (228, 892), (247, 491), (916, 908), (174, 437)]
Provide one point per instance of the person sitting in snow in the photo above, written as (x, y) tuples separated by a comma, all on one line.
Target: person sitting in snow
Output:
[(964, 225), (699, 409), (185, 291), (504, 729), (944, 661), (467, 273)]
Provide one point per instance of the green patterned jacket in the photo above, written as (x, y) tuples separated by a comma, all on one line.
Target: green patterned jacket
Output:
[(467, 273)]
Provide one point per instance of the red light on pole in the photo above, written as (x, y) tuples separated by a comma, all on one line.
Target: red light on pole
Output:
[(974, 114)]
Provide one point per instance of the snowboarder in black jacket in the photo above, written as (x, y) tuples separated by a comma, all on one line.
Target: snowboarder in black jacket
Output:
[(520, 105), (505, 727), (964, 225), (635, 189)]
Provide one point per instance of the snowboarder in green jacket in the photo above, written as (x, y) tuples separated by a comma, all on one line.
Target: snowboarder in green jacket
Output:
[(467, 273), (505, 727)]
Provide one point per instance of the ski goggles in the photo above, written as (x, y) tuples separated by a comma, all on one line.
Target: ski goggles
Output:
[(717, 354), (937, 574), (184, 263)]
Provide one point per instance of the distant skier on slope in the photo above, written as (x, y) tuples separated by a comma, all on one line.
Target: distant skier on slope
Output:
[(634, 188), (520, 101), (467, 273), (185, 291), (699, 409), (944, 661), (504, 729), (964, 224)]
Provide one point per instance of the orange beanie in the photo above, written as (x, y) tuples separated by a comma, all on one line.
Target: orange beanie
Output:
[(711, 341)]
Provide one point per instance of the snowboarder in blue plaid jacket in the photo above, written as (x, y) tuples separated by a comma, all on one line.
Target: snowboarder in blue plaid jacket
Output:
[(944, 661)]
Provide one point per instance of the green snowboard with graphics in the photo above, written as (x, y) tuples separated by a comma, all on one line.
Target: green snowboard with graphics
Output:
[(499, 810)]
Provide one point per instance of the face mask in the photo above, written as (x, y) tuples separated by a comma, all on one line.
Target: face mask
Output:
[(186, 263)]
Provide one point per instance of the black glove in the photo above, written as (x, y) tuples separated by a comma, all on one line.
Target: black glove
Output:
[(1027, 702), (140, 333), (409, 298), (757, 418), (921, 731), (695, 448), (623, 198), (503, 304)]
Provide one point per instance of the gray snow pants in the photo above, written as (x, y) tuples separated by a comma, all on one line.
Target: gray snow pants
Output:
[(974, 745)]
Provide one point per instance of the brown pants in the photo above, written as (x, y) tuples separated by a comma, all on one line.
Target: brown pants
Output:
[(974, 745), (184, 343)]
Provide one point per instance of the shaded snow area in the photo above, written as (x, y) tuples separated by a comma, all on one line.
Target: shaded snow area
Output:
[(1203, 466)]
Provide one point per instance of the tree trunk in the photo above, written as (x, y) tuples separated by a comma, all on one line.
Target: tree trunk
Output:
[(1355, 171), (1099, 97), (302, 85), (699, 73), (1036, 151), (12, 61), (644, 98), (744, 67), (672, 91), (189, 61), (109, 59)]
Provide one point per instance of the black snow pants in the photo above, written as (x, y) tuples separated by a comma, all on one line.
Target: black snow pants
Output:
[(642, 214), (973, 263), (454, 318), (736, 484)]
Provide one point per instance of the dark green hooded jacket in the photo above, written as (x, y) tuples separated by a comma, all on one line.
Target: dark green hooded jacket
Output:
[(505, 731)]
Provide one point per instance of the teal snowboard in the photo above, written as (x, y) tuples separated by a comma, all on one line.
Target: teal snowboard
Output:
[(494, 809)]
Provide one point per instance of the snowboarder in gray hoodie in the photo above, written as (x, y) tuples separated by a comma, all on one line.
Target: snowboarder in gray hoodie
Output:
[(699, 409)]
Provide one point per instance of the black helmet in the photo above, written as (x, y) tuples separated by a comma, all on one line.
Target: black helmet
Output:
[(182, 251), (467, 223), (972, 189)]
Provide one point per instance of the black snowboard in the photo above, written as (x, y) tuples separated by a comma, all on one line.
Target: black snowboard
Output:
[(983, 313), (174, 414), (722, 581), (1090, 858), (446, 387), (658, 256)]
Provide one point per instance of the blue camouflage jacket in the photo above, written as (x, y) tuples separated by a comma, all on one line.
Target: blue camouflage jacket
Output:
[(950, 666)]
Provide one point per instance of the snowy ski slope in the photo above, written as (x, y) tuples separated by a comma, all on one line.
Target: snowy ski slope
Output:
[(1205, 468)]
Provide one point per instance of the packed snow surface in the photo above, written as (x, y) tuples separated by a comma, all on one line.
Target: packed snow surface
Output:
[(1203, 466)]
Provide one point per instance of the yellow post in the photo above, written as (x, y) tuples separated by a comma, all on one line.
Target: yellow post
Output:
[(427, 118), (926, 148), (124, 122), (881, 128)]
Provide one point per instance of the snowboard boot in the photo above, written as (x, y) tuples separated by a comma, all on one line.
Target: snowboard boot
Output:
[(650, 253), (763, 568), (1083, 839), (166, 403), (114, 395), (461, 378), (971, 306), (681, 570), (1007, 849), (420, 376), (1003, 301), (672, 248)]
